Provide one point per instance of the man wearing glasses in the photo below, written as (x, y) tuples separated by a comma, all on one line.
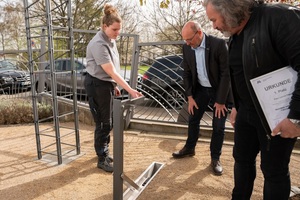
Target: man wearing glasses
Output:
[(206, 80)]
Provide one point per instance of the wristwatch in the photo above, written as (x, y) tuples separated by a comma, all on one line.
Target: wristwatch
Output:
[(296, 122)]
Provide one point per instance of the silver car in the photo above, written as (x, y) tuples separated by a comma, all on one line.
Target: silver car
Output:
[(63, 76)]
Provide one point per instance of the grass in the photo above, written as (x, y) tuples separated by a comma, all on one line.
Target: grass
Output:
[(142, 68)]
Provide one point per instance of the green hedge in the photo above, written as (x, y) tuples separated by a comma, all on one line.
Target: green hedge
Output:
[(19, 111)]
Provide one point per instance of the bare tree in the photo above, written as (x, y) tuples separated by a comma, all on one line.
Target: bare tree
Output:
[(11, 25), (169, 20), (167, 17), (86, 15), (128, 11)]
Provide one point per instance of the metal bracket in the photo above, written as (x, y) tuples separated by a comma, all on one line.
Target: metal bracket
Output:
[(130, 182)]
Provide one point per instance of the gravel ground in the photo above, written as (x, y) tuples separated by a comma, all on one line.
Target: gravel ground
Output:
[(23, 176)]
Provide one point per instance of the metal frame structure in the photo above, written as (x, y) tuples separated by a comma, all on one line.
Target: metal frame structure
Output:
[(136, 187), (47, 38)]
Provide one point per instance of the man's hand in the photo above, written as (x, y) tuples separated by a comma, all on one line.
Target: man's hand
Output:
[(286, 129), (192, 103), (220, 110), (233, 117)]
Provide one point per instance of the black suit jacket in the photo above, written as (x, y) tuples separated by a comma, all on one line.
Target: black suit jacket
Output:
[(216, 59)]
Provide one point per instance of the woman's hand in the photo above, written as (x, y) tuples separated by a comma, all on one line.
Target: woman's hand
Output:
[(135, 94), (117, 91)]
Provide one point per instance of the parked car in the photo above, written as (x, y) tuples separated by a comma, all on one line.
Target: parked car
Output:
[(64, 76), (163, 81), (13, 79)]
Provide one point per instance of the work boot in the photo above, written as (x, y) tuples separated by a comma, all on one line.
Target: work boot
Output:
[(110, 159), (105, 164)]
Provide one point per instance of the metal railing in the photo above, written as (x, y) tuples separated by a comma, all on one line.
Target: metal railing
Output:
[(165, 100)]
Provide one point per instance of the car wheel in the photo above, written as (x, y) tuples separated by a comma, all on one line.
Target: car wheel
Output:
[(175, 98)]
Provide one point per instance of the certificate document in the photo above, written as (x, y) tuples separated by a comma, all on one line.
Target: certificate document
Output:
[(274, 91)]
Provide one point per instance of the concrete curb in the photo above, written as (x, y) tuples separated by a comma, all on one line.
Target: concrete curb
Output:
[(180, 130)]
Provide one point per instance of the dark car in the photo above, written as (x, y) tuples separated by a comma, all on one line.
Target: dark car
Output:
[(163, 81), (13, 79)]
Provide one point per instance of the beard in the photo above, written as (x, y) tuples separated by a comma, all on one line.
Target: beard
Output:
[(226, 30), (227, 33)]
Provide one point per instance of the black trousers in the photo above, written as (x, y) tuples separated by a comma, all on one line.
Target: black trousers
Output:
[(100, 95), (202, 97), (250, 138)]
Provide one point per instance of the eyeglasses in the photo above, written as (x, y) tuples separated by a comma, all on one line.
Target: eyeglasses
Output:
[(189, 40)]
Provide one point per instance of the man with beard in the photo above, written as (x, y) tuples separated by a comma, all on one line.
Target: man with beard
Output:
[(263, 38)]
